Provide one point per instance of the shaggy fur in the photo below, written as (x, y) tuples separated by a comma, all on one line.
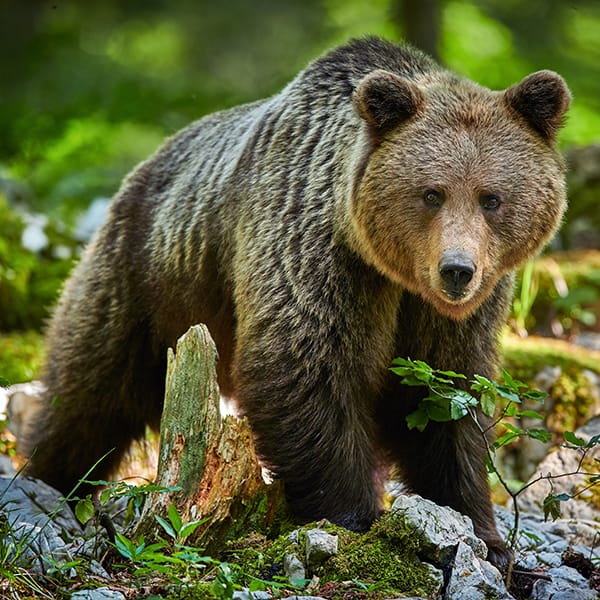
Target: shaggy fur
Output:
[(374, 208)]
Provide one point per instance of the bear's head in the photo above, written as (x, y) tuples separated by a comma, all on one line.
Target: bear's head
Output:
[(456, 185)]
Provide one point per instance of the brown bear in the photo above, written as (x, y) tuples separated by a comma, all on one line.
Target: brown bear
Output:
[(376, 207)]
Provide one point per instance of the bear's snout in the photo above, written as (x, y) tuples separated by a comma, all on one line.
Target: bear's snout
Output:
[(456, 269)]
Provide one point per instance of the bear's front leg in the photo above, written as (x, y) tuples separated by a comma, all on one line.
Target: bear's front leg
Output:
[(446, 463), (312, 426)]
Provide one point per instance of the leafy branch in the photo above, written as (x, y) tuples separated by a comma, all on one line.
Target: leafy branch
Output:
[(445, 401)]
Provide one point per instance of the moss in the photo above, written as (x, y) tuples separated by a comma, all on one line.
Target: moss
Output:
[(384, 559), (590, 491), (383, 562), (385, 567), (573, 397), (524, 358)]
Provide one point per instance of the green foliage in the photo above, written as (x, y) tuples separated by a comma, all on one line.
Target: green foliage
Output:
[(90, 90), (559, 291), (175, 528), (383, 560), (444, 401), (21, 355), (84, 509), (29, 282)]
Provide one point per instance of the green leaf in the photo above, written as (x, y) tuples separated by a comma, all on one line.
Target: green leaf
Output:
[(541, 435), (508, 394), (488, 403), (513, 384), (573, 439), (4, 382), (174, 517), (166, 526), (256, 585), (483, 383), (190, 527), (532, 414), (535, 395), (457, 411), (452, 374), (105, 495), (125, 546), (418, 419), (437, 408), (532, 536), (594, 440), (505, 439), (460, 402), (84, 509)]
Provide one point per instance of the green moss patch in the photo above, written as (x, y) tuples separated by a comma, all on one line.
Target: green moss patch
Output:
[(381, 563)]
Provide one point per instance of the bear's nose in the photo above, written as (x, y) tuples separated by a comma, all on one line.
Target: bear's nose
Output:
[(456, 271)]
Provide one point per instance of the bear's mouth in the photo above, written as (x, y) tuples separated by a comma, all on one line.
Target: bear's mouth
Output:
[(455, 295), (455, 305)]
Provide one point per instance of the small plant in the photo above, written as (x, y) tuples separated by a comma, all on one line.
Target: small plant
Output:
[(113, 490), (523, 303)]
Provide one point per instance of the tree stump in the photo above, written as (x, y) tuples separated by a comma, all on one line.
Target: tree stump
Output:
[(211, 458)]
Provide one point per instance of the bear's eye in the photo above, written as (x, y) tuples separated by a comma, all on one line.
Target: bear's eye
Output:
[(489, 202), (433, 198)]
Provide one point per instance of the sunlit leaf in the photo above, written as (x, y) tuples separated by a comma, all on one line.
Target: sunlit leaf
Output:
[(84, 510), (573, 439), (174, 517)]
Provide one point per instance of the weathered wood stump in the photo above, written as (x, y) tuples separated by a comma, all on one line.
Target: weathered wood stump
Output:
[(211, 458)]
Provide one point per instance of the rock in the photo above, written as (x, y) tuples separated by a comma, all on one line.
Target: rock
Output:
[(39, 523), (566, 584), (6, 466), (293, 567), (101, 593), (294, 537), (559, 461), (441, 528), (39, 547), (320, 545), (18, 404), (436, 576), (246, 594), (542, 542), (25, 499), (474, 579)]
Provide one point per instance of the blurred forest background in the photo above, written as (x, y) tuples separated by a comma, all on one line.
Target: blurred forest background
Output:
[(88, 89)]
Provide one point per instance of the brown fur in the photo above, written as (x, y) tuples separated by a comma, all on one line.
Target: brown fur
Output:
[(319, 233)]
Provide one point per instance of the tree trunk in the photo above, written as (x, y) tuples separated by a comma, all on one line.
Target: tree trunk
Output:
[(211, 458), (420, 21)]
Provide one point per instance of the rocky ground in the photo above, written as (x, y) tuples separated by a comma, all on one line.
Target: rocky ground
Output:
[(418, 548), (557, 559)]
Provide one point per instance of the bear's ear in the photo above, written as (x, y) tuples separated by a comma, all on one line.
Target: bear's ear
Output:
[(542, 98), (384, 100)]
